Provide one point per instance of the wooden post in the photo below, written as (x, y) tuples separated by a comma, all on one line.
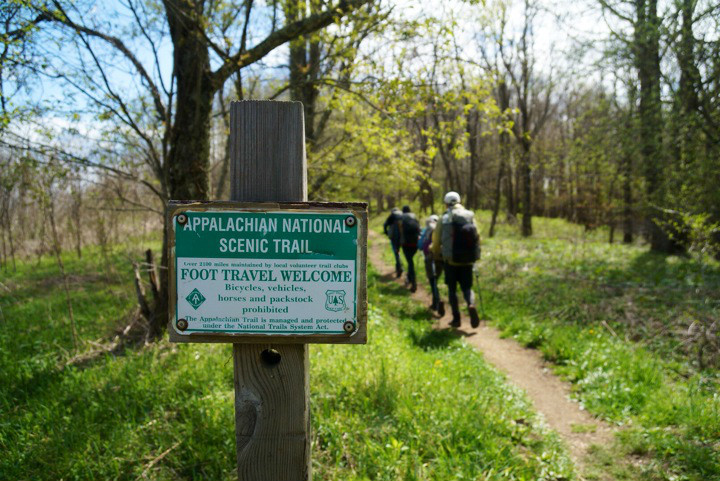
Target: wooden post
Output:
[(272, 404)]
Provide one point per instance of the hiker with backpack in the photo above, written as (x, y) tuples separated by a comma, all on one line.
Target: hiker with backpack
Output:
[(433, 267), (457, 242), (409, 235), (391, 228)]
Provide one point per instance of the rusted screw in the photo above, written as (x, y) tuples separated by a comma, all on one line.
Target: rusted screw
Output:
[(182, 219), (350, 220), (348, 327), (182, 324)]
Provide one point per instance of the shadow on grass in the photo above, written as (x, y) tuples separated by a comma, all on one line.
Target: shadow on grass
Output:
[(654, 267), (434, 339), (404, 306), (387, 286)]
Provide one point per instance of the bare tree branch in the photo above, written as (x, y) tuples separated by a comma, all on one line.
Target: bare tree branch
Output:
[(61, 17), (279, 37)]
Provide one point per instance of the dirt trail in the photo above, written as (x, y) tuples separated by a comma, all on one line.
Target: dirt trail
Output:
[(524, 367)]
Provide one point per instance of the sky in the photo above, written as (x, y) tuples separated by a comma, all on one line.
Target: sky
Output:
[(560, 27)]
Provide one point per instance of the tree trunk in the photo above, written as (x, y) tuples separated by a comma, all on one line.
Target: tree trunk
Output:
[(380, 202), (510, 190), (3, 259), (76, 214), (188, 161), (627, 199), (526, 174), (498, 188), (517, 185), (647, 61), (689, 74), (304, 66), (472, 120), (426, 165), (10, 238), (225, 165), (189, 154), (538, 188)]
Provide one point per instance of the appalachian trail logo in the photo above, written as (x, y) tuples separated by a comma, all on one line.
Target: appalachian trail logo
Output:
[(335, 301), (195, 298)]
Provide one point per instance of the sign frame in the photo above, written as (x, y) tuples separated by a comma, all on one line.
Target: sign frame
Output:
[(358, 209)]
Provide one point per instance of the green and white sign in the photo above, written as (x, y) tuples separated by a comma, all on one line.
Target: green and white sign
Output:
[(276, 272)]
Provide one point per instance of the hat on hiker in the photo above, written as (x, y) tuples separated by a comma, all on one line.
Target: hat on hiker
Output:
[(452, 198)]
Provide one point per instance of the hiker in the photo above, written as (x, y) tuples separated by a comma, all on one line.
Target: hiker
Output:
[(433, 268), (457, 242), (409, 235), (391, 227)]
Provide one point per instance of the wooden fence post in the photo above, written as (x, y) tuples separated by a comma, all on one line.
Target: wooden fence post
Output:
[(272, 410)]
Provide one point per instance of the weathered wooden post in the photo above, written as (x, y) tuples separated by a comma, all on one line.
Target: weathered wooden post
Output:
[(270, 273), (272, 403)]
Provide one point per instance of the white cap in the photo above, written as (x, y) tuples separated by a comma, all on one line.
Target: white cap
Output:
[(434, 218), (452, 198)]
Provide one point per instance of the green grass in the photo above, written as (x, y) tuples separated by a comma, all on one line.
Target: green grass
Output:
[(614, 321), (436, 410), (412, 404), (611, 318)]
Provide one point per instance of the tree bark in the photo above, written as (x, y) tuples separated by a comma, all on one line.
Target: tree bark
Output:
[(627, 201), (498, 182), (526, 173), (510, 189), (472, 120), (225, 165), (10, 238), (305, 58), (76, 214), (189, 155), (647, 61), (627, 168)]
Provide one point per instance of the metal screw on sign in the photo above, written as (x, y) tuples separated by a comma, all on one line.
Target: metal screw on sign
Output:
[(182, 324), (182, 219), (350, 221), (348, 327)]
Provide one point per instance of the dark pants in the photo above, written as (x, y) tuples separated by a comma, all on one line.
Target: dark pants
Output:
[(462, 275), (432, 271), (409, 252), (396, 250)]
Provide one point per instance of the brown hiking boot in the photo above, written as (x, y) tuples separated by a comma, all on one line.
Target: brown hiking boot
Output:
[(474, 318)]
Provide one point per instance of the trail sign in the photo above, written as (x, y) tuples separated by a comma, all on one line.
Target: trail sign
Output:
[(292, 272)]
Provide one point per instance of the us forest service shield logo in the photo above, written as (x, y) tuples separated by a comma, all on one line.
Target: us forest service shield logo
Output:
[(335, 300), (195, 298)]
